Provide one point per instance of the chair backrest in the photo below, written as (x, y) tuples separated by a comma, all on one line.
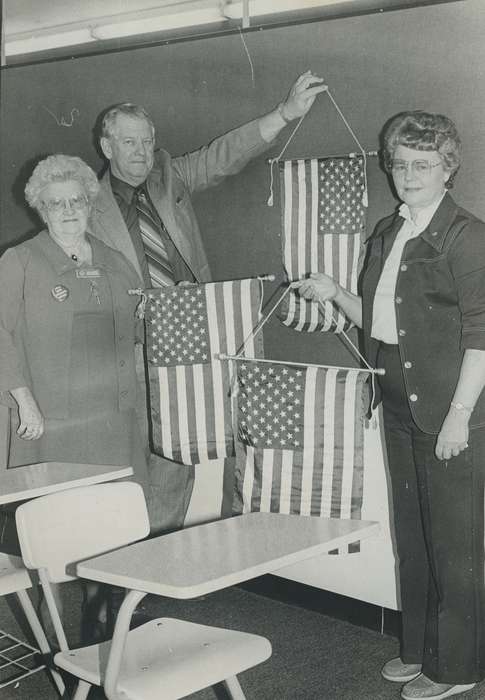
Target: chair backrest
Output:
[(66, 527)]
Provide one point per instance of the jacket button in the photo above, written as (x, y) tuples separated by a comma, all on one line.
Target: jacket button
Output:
[(413, 397), (122, 363), (404, 268), (401, 332), (408, 364), (398, 300), (435, 233)]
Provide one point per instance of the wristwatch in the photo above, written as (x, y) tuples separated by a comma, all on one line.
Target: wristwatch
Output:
[(461, 407)]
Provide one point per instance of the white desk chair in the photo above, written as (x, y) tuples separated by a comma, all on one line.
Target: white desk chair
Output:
[(163, 658), (17, 658)]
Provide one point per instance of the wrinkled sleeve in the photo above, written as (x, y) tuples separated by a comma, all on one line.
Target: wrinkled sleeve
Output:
[(224, 156), (11, 304), (467, 261)]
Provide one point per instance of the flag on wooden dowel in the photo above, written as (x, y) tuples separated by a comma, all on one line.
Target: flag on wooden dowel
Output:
[(190, 403), (323, 219), (302, 434)]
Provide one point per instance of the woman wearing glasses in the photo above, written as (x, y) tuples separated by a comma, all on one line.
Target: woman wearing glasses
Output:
[(67, 330), (67, 335), (422, 311)]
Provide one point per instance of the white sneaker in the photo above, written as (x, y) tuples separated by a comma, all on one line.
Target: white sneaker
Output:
[(423, 688), (397, 671)]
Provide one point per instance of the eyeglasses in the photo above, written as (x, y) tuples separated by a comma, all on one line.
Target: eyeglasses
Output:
[(418, 167), (76, 202)]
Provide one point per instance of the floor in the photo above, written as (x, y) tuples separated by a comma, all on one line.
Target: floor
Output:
[(315, 657)]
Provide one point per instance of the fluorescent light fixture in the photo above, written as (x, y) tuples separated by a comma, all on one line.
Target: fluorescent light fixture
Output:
[(173, 15), (234, 8), (28, 42), (190, 14)]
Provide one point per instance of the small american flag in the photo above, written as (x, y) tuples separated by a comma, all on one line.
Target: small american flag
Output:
[(323, 219), (302, 434), (186, 326)]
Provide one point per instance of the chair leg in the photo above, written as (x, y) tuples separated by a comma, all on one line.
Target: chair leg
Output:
[(122, 626), (82, 690), (38, 632), (234, 689)]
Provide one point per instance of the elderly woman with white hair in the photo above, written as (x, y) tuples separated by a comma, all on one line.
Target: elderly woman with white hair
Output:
[(67, 329), (67, 332)]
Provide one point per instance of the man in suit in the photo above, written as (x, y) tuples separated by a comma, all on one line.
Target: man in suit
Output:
[(145, 211)]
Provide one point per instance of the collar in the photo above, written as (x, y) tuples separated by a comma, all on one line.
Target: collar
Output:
[(424, 215), (61, 263), (437, 228), (123, 189)]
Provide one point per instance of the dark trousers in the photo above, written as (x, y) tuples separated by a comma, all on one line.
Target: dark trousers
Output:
[(439, 523)]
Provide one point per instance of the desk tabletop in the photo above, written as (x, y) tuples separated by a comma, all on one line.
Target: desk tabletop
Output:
[(209, 557), (21, 483)]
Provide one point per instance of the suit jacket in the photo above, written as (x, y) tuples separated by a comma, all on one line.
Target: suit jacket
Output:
[(170, 184), (36, 330), (439, 303)]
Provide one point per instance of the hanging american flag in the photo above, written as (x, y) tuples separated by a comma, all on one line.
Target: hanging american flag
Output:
[(302, 435), (186, 326), (323, 219)]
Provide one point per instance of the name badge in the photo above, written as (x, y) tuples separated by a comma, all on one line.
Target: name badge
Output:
[(88, 273)]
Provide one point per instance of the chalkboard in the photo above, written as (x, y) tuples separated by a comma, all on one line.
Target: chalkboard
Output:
[(376, 65)]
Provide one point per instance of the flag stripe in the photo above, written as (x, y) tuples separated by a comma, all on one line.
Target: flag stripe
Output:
[(203, 429), (313, 261), (217, 384), (183, 423), (300, 239), (286, 481), (164, 407), (248, 481), (267, 480), (190, 400), (304, 455), (321, 202), (308, 440), (348, 445)]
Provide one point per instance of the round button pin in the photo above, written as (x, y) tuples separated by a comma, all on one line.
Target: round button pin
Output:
[(60, 292)]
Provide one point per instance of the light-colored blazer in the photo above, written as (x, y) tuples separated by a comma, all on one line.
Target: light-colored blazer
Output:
[(170, 185)]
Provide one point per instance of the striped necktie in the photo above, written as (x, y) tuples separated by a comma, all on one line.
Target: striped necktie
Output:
[(159, 267)]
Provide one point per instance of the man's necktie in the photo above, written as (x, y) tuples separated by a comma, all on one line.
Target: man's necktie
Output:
[(159, 266)]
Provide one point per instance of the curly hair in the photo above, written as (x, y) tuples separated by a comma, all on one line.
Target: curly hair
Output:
[(130, 110), (423, 131), (60, 168)]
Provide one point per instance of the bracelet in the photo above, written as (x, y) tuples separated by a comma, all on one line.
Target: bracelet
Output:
[(280, 110), (460, 407)]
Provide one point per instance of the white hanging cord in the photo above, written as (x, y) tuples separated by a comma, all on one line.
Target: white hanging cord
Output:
[(238, 358), (272, 161), (373, 409), (365, 197), (248, 55), (262, 322), (347, 338)]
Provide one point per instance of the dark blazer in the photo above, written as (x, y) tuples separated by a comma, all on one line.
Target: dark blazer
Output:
[(170, 184), (439, 303), (36, 329)]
